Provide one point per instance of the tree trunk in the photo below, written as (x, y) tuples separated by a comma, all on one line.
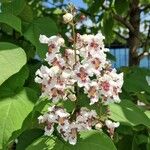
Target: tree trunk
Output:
[(133, 40)]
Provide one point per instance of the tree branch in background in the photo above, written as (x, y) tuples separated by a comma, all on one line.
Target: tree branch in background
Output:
[(145, 53), (123, 21), (121, 36), (145, 8)]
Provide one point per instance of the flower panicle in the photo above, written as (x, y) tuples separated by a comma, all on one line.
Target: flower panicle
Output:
[(83, 66)]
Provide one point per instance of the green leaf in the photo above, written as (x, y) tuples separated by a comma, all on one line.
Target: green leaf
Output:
[(144, 2), (125, 129), (12, 58), (11, 20), (4, 1), (140, 139), (144, 97), (90, 140), (110, 56), (44, 26), (128, 113), (135, 144), (27, 137), (13, 111), (139, 83), (95, 6), (13, 6), (121, 6), (108, 24), (26, 14), (147, 113), (125, 143), (15, 82), (33, 66), (139, 86), (42, 106), (88, 1)]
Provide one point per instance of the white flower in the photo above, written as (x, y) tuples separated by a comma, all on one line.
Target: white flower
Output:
[(140, 103), (72, 140), (16, 141), (38, 79), (43, 73), (60, 41), (98, 126), (54, 70), (50, 57), (48, 131), (41, 119), (111, 125), (62, 113), (43, 39), (66, 74), (52, 117), (148, 80), (67, 17)]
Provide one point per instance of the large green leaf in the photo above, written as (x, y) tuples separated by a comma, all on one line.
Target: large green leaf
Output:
[(90, 140), (12, 58), (128, 113), (15, 82), (26, 14), (27, 137), (13, 6), (144, 2), (121, 6), (13, 110), (139, 86), (11, 20), (44, 26), (108, 24), (139, 83), (95, 6)]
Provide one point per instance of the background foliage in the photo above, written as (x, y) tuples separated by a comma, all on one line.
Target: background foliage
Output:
[(21, 54)]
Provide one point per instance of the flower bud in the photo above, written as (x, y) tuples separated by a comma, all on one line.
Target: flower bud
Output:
[(72, 97), (61, 41), (98, 126), (82, 17), (67, 17)]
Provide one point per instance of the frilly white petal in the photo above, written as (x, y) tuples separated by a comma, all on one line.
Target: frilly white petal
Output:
[(43, 39)]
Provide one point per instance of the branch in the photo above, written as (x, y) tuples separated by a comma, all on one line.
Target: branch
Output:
[(142, 55), (117, 33), (123, 21), (120, 19), (145, 8), (145, 53)]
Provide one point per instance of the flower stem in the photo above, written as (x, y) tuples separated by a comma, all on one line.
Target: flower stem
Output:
[(74, 41), (75, 57)]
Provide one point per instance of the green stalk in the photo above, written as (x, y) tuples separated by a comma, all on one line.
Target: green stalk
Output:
[(75, 52)]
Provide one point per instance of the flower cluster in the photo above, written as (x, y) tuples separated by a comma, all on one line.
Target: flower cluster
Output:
[(92, 72), (57, 82), (68, 129), (81, 67)]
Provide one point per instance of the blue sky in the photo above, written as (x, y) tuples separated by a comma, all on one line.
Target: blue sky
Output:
[(77, 3)]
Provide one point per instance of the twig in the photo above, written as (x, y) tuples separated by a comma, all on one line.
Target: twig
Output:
[(145, 45), (123, 21), (145, 8), (120, 35)]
